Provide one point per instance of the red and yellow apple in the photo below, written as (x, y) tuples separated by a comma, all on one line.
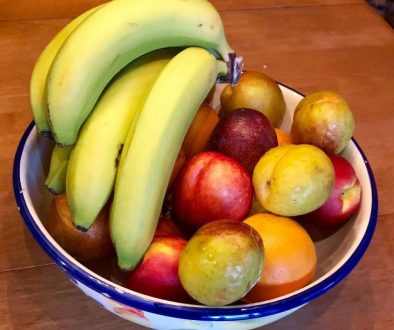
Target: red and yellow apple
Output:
[(211, 186), (157, 274), (345, 197)]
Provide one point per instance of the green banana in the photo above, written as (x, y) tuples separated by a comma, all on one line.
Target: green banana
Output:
[(93, 163), (145, 167), (113, 36), (39, 75), (56, 179)]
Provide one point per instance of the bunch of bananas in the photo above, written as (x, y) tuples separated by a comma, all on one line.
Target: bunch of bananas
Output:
[(117, 89)]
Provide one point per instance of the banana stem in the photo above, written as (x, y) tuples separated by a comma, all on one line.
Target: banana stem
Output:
[(230, 72)]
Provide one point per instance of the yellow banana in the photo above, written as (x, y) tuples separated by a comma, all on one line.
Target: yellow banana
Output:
[(113, 36), (145, 167), (56, 179), (93, 163), (38, 101)]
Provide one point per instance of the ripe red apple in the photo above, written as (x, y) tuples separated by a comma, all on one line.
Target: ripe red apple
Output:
[(211, 186), (245, 135), (345, 197), (157, 274)]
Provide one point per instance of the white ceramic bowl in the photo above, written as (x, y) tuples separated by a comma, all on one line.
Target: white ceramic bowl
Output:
[(337, 255)]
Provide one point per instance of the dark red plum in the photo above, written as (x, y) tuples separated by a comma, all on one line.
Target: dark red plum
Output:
[(244, 135)]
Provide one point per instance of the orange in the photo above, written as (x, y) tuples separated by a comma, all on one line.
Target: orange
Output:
[(210, 95), (289, 257), (283, 137), (180, 160), (200, 130)]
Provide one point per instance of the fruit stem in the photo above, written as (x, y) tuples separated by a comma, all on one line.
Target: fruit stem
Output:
[(234, 70)]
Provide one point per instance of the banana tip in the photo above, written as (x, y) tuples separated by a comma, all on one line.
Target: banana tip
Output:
[(47, 134), (83, 229)]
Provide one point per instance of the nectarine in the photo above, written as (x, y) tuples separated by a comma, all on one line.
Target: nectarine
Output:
[(83, 245), (345, 197), (211, 186), (157, 274)]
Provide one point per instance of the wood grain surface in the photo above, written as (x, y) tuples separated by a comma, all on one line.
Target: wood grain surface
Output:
[(308, 45)]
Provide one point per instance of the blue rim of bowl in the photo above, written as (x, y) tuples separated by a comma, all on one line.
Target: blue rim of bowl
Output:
[(203, 313)]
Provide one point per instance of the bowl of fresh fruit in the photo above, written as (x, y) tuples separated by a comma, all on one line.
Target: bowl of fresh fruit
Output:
[(177, 191)]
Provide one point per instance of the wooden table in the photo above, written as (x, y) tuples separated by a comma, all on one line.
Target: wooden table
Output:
[(309, 45)]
